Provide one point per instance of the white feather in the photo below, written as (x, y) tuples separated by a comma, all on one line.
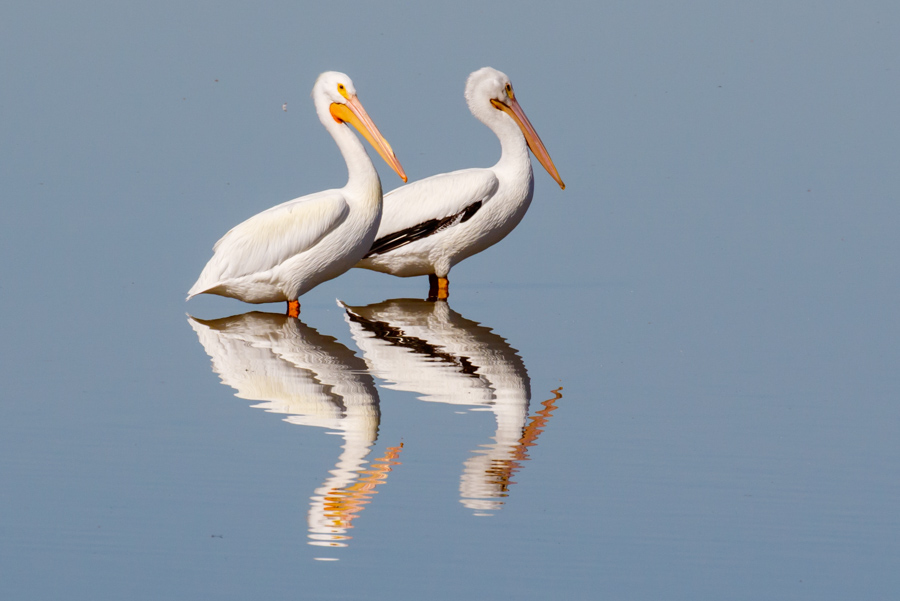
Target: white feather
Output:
[(424, 241), (268, 239), (435, 198), (285, 251)]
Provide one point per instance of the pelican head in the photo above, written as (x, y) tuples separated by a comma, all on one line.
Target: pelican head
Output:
[(488, 89), (335, 93)]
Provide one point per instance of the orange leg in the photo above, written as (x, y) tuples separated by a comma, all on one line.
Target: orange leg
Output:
[(293, 308), (438, 288)]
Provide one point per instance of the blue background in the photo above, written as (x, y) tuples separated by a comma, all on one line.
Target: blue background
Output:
[(716, 291)]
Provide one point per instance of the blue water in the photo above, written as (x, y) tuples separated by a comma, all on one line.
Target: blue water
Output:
[(676, 379)]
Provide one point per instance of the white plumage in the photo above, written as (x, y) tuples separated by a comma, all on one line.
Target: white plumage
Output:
[(431, 350), (289, 368), (432, 224), (285, 251)]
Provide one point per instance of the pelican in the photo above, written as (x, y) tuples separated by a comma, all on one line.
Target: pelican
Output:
[(432, 224), (291, 369), (427, 348), (285, 251)]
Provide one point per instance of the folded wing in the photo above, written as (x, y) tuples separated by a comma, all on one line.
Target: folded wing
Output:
[(421, 208), (271, 237)]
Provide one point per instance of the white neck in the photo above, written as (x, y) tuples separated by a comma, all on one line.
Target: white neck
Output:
[(515, 159), (361, 174), (514, 150)]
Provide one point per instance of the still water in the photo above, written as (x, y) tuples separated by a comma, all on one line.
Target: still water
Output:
[(676, 379), (417, 346)]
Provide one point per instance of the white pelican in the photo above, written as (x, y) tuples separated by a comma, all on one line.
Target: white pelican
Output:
[(291, 369), (285, 251), (430, 225), (428, 348)]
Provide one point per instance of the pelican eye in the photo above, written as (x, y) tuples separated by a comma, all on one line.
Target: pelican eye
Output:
[(509, 90), (342, 90)]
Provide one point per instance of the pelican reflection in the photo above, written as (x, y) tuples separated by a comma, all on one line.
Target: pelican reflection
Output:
[(313, 380), (427, 348)]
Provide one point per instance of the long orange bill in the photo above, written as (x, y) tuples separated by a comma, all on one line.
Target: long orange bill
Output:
[(531, 137), (354, 114)]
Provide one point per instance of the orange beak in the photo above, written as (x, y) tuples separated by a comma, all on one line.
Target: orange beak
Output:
[(354, 114), (531, 137)]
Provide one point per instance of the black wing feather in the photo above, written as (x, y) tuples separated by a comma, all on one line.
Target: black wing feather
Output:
[(395, 336), (386, 244)]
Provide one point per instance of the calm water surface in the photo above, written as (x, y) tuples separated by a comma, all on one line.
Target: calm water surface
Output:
[(677, 379)]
